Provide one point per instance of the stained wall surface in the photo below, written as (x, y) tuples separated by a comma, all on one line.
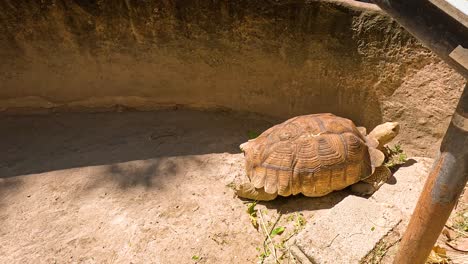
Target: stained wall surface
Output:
[(279, 58)]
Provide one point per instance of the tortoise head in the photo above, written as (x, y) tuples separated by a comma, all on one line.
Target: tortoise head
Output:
[(385, 132)]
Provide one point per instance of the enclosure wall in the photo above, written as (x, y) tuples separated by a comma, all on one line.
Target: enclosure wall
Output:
[(280, 58)]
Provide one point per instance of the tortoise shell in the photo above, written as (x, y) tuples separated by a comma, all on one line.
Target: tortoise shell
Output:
[(312, 154)]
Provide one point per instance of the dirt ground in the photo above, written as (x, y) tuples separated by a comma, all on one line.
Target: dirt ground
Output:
[(131, 187), (454, 236), (139, 187)]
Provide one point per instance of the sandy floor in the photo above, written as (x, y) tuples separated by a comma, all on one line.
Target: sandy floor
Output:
[(130, 188)]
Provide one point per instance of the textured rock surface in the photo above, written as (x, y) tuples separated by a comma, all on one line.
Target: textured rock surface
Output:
[(347, 232), (351, 229), (403, 189), (280, 58), (424, 104)]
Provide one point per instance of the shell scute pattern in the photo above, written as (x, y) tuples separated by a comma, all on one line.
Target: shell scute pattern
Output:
[(312, 154), (331, 149)]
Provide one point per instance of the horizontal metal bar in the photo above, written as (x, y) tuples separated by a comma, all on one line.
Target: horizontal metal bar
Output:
[(435, 28)]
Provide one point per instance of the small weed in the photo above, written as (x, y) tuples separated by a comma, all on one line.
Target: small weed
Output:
[(196, 257), (380, 251), (263, 254), (274, 247), (252, 214), (252, 134), (280, 245), (269, 223), (395, 156), (300, 222), (376, 254), (277, 231), (461, 221)]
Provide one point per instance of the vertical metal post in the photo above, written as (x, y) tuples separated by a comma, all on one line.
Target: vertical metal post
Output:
[(447, 36), (441, 191)]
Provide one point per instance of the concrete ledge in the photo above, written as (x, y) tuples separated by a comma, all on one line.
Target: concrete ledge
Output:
[(351, 229), (348, 232)]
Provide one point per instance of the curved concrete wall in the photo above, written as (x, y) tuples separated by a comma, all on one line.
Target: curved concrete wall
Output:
[(280, 58)]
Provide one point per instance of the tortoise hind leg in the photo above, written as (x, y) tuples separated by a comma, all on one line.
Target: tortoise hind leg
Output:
[(247, 190), (372, 183)]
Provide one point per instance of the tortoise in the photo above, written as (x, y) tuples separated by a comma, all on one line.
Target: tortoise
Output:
[(315, 155)]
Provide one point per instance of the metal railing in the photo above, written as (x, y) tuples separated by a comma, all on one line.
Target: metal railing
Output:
[(442, 28)]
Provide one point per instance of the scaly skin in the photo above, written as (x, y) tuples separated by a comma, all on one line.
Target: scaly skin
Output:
[(383, 133), (248, 191)]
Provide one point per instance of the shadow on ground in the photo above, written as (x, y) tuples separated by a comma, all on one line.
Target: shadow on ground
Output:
[(300, 202), (36, 144)]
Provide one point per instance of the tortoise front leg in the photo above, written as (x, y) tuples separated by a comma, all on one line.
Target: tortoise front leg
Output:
[(372, 183), (247, 190)]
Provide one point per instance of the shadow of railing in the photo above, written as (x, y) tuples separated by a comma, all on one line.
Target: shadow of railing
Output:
[(37, 144)]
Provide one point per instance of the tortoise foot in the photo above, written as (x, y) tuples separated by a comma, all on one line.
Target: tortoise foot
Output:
[(363, 188), (248, 191)]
